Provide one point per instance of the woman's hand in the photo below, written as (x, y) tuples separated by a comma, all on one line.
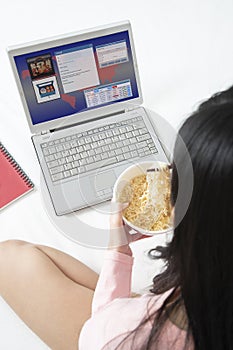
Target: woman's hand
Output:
[(119, 231)]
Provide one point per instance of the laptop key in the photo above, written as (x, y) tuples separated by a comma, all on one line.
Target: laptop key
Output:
[(57, 177), (67, 173), (74, 171), (57, 169), (53, 164)]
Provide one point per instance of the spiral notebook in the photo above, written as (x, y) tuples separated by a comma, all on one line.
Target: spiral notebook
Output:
[(14, 182)]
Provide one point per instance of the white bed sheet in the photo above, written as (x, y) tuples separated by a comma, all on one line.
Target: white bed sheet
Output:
[(184, 53)]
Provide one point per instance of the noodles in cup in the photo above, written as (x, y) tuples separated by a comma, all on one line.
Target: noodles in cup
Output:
[(149, 200)]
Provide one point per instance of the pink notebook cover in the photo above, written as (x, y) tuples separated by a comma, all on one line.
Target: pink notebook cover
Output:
[(14, 183)]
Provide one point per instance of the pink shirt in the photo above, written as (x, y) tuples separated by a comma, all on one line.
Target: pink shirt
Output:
[(114, 312)]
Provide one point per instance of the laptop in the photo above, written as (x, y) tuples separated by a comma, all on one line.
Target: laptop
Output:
[(82, 99)]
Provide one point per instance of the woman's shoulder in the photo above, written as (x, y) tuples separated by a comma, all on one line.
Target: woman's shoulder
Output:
[(173, 306)]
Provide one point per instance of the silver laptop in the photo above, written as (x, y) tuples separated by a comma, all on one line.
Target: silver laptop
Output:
[(82, 97)]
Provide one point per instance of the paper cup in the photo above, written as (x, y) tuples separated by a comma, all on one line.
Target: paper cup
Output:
[(124, 179)]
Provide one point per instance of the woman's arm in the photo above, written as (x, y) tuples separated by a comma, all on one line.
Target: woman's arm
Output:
[(115, 277), (114, 280)]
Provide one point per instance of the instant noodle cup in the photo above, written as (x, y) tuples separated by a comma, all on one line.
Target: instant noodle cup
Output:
[(146, 186)]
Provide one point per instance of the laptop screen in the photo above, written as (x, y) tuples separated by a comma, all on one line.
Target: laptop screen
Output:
[(67, 79)]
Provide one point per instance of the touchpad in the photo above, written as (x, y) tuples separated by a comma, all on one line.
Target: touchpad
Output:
[(103, 181)]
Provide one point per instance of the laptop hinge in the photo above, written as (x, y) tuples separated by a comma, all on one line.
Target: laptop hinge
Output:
[(131, 108), (45, 132), (85, 121)]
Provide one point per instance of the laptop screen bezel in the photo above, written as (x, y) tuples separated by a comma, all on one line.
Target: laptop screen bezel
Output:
[(83, 116)]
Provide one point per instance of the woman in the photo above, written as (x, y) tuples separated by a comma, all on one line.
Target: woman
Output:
[(190, 305)]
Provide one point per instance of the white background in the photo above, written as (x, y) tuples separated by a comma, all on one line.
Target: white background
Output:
[(185, 53)]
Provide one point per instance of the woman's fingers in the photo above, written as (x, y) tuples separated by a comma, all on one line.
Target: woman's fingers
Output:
[(118, 236), (121, 234), (116, 214)]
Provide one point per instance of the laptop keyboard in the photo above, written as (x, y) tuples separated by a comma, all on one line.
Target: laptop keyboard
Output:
[(98, 147)]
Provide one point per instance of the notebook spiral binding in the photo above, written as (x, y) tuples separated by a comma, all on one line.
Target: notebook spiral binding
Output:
[(16, 166)]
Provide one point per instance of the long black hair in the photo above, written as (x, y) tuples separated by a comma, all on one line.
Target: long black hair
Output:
[(201, 250), (199, 258)]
